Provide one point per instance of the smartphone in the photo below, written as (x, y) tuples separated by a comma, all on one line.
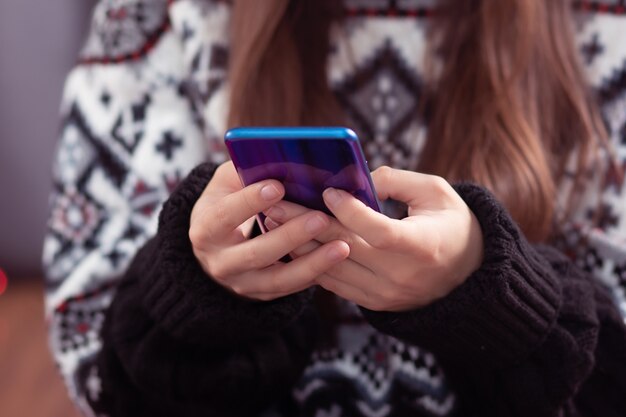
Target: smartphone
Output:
[(307, 160)]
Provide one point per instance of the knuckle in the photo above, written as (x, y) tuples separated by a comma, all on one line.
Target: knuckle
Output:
[(244, 292), (196, 236), (250, 200), (327, 284), (291, 235), (222, 217), (383, 174), (387, 296), (251, 257), (238, 289), (218, 271), (434, 250), (439, 184), (400, 283)]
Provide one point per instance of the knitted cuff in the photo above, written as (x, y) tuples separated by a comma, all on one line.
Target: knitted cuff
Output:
[(501, 313), (186, 302)]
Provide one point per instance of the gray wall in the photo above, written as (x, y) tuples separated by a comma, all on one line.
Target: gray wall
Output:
[(39, 41)]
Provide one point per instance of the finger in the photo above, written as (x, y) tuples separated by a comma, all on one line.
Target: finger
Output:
[(268, 248), (226, 177), (219, 218), (283, 279), (225, 181), (409, 187), (377, 229), (348, 271), (307, 247), (346, 291), (360, 250), (285, 210), (350, 274)]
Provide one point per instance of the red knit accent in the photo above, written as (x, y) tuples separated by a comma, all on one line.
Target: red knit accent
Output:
[(581, 5), (151, 41), (62, 307), (600, 7), (82, 327), (388, 12)]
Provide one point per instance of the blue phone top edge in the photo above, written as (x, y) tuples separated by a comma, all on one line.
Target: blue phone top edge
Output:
[(290, 133)]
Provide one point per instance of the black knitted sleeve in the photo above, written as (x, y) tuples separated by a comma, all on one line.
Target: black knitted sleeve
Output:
[(177, 343), (528, 334)]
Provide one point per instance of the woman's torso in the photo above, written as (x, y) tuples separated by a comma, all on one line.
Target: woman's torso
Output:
[(376, 70)]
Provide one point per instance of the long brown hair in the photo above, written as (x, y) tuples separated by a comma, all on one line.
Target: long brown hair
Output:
[(507, 108)]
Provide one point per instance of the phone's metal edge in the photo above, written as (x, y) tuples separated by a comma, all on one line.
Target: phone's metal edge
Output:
[(361, 155), (290, 133), (334, 132)]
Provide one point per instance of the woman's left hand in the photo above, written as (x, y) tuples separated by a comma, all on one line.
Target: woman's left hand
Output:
[(396, 265)]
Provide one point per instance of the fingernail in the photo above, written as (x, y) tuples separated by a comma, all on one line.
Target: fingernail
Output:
[(269, 192), (314, 224), (335, 255), (332, 196), (276, 213), (270, 224)]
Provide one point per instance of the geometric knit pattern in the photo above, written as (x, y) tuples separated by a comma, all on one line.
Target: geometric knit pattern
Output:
[(147, 102), (371, 368)]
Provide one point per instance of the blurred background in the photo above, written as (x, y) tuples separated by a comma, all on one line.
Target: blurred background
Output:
[(39, 42)]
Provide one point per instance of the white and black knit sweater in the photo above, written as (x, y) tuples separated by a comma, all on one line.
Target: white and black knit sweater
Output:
[(147, 103)]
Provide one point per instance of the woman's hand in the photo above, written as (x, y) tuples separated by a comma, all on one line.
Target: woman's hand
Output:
[(395, 265), (220, 222)]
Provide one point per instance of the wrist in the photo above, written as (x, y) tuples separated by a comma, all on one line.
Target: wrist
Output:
[(501, 313), (184, 301)]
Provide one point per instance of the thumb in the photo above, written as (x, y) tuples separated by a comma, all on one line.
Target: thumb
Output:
[(409, 187)]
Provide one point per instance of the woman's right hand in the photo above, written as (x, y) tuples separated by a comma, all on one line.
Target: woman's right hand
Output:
[(219, 227)]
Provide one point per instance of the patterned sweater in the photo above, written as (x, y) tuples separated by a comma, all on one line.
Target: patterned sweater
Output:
[(137, 329)]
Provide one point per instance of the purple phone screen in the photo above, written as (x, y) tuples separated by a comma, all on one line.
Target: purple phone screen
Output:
[(306, 167)]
